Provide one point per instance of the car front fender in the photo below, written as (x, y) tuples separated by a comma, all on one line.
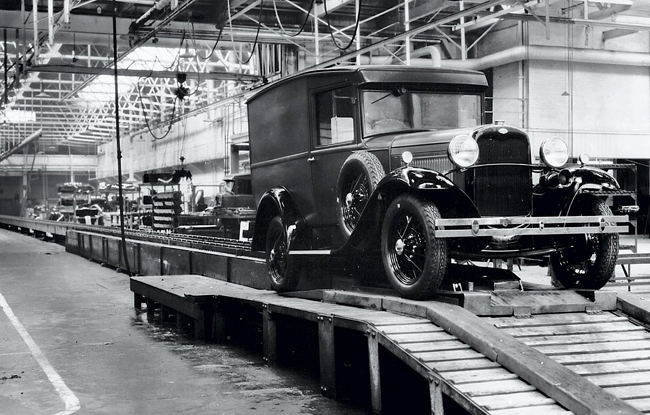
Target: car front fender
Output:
[(591, 178), (451, 201), (275, 202)]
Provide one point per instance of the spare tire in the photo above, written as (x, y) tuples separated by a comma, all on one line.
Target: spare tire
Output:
[(358, 179)]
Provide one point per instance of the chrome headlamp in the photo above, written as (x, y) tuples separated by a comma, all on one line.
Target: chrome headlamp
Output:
[(463, 151), (554, 152)]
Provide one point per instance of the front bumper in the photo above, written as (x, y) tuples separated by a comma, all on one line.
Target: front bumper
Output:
[(535, 226)]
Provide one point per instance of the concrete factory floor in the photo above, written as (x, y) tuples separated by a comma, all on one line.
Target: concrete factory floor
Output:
[(71, 342)]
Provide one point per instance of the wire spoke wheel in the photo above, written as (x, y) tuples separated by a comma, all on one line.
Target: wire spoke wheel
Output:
[(409, 255), (283, 277), (591, 259), (355, 199), (415, 260)]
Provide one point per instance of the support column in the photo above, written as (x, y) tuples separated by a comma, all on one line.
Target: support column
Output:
[(375, 378), (150, 306), (270, 333), (137, 301), (435, 394), (326, 352), (219, 325)]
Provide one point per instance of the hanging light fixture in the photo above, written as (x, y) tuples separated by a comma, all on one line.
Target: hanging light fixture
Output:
[(42, 94), (187, 54)]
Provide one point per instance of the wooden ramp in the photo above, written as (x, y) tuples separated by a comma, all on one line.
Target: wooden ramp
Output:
[(466, 360), (607, 349)]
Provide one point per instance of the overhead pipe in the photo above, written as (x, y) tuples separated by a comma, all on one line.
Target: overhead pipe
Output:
[(552, 53)]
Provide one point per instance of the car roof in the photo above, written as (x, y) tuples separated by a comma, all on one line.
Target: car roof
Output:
[(381, 74)]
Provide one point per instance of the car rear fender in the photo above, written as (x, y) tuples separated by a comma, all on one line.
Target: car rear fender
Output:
[(276, 201)]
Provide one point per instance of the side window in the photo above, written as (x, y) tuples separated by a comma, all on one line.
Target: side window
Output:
[(334, 112)]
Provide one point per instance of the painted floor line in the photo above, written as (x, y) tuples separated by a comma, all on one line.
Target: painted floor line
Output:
[(66, 395)]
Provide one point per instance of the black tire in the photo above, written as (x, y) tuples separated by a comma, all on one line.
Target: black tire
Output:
[(415, 260), (358, 178), (591, 261), (283, 277)]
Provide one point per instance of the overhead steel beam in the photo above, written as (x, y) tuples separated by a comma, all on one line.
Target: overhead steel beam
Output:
[(180, 9), (219, 76), (22, 145), (412, 32)]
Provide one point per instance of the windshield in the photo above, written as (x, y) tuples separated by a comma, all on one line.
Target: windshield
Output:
[(397, 110)]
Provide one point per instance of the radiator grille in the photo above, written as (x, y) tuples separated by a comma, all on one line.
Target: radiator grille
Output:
[(503, 190), (438, 163)]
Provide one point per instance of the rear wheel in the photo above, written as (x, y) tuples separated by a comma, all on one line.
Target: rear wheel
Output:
[(415, 260), (590, 262), (359, 176), (283, 277)]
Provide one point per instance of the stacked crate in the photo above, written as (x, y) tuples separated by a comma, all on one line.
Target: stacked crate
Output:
[(166, 210)]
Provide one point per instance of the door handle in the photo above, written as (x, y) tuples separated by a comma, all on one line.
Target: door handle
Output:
[(310, 159)]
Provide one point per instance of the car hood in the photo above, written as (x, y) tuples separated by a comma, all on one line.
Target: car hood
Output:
[(417, 138)]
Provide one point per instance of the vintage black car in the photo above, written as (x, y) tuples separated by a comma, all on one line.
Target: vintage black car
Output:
[(398, 159)]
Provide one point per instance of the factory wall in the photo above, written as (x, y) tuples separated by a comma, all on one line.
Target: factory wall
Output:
[(600, 109)]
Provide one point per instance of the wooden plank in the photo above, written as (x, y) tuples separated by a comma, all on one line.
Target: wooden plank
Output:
[(586, 338), (642, 405), (612, 367), (448, 355), (634, 306), (534, 410), (554, 319), (419, 338), (437, 346), (595, 347), (426, 346), (454, 365), (513, 400), (573, 359), (424, 327), (630, 392), (378, 318), (559, 383), (496, 387), (617, 326), (479, 375), (621, 379)]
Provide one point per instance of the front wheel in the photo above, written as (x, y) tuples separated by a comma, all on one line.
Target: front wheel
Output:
[(590, 262), (283, 277), (415, 260)]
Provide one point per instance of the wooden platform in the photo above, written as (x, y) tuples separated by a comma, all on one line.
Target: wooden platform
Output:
[(464, 358)]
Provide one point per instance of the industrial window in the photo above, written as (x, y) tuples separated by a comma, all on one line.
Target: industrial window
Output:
[(334, 112)]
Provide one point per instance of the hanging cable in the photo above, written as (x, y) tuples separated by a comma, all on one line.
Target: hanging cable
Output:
[(213, 47), (146, 119), (356, 26), (302, 26), (257, 34)]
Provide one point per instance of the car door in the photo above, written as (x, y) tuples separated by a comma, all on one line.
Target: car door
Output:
[(335, 137)]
